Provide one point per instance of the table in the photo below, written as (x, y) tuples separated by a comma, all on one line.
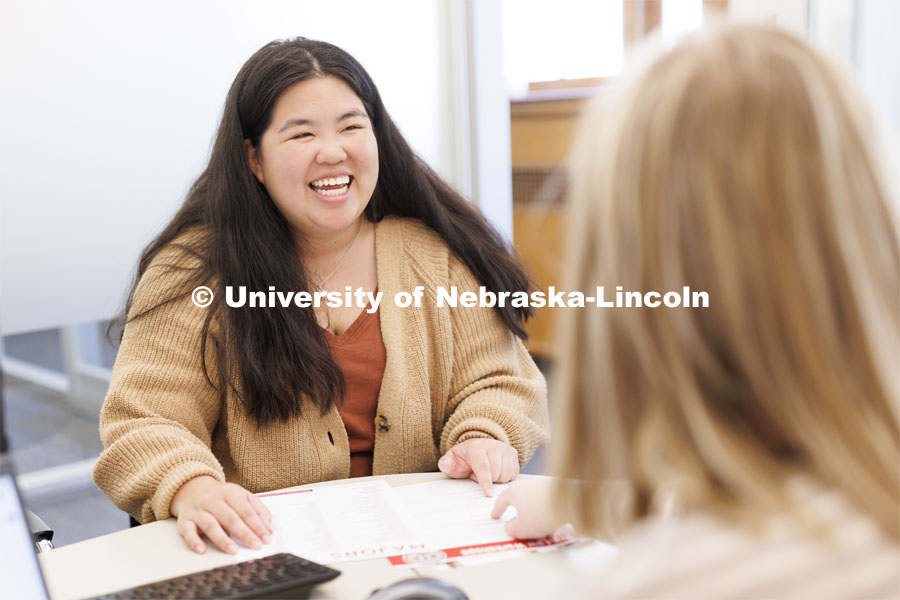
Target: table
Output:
[(156, 551)]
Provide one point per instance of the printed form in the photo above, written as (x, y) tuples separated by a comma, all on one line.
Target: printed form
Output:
[(335, 523), (453, 517), (438, 521)]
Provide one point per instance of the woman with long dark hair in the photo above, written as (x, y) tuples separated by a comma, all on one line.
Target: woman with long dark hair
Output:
[(311, 188)]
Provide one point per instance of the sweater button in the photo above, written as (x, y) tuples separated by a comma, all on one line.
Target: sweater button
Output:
[(383, 423)]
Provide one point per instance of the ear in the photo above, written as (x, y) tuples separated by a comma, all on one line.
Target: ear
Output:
[(254, 159)]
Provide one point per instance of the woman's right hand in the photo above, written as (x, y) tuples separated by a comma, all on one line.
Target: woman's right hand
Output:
[(532, 501), (220, 510)]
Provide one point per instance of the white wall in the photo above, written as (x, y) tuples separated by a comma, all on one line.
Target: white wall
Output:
[(489, 126), (878, 57), (108, 110), (788, 14)]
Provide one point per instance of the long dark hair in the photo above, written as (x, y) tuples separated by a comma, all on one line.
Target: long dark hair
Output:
[(280, 354)]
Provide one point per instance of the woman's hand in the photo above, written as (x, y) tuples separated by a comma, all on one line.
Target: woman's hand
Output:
[(220, 510), (483, 460), (531, 499)]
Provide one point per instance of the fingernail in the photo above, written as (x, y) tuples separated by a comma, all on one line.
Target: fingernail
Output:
[(198, 548), (267, 538), (232, 548)]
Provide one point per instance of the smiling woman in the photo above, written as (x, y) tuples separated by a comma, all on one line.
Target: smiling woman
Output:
[(311, 186), (319, 160)]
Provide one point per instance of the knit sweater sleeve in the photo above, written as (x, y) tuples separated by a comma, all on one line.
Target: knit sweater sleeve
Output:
[(157, 419), (496, 390)]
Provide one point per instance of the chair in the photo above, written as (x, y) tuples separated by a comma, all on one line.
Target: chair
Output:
[(41, 534)]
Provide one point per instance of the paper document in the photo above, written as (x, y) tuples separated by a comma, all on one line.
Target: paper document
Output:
[(453, 517), (438, 521), (336, 523)]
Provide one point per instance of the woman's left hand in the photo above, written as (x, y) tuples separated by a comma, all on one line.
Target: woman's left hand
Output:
[(483, 460)]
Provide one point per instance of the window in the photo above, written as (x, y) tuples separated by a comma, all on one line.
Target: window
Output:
[(561, 44), (562, 39)]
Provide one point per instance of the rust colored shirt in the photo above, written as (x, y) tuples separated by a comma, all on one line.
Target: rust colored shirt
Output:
[(360, 354)]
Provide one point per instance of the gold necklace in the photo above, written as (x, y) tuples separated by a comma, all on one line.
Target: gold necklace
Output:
[(322, 283)]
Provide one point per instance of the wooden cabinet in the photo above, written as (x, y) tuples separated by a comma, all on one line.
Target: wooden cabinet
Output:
[(541, 134)]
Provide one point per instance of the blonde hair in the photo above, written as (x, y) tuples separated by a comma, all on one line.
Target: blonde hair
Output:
[(740, 163)]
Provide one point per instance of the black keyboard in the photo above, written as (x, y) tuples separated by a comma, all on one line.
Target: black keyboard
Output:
[(259, 578)]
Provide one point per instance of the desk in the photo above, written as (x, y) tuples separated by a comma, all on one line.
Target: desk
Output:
[(156, 551)]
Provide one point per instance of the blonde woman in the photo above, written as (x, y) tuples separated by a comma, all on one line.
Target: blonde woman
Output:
[(758, 437)]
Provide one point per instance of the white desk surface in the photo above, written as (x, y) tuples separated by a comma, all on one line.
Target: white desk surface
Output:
[(156, 551)]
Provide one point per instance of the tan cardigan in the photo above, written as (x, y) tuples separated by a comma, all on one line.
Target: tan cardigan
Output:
[(451, 375)]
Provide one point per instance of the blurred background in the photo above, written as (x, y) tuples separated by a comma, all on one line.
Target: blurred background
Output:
[(109, 109)]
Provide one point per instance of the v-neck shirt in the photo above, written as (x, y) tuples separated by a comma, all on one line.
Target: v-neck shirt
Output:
[(361, 356)]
